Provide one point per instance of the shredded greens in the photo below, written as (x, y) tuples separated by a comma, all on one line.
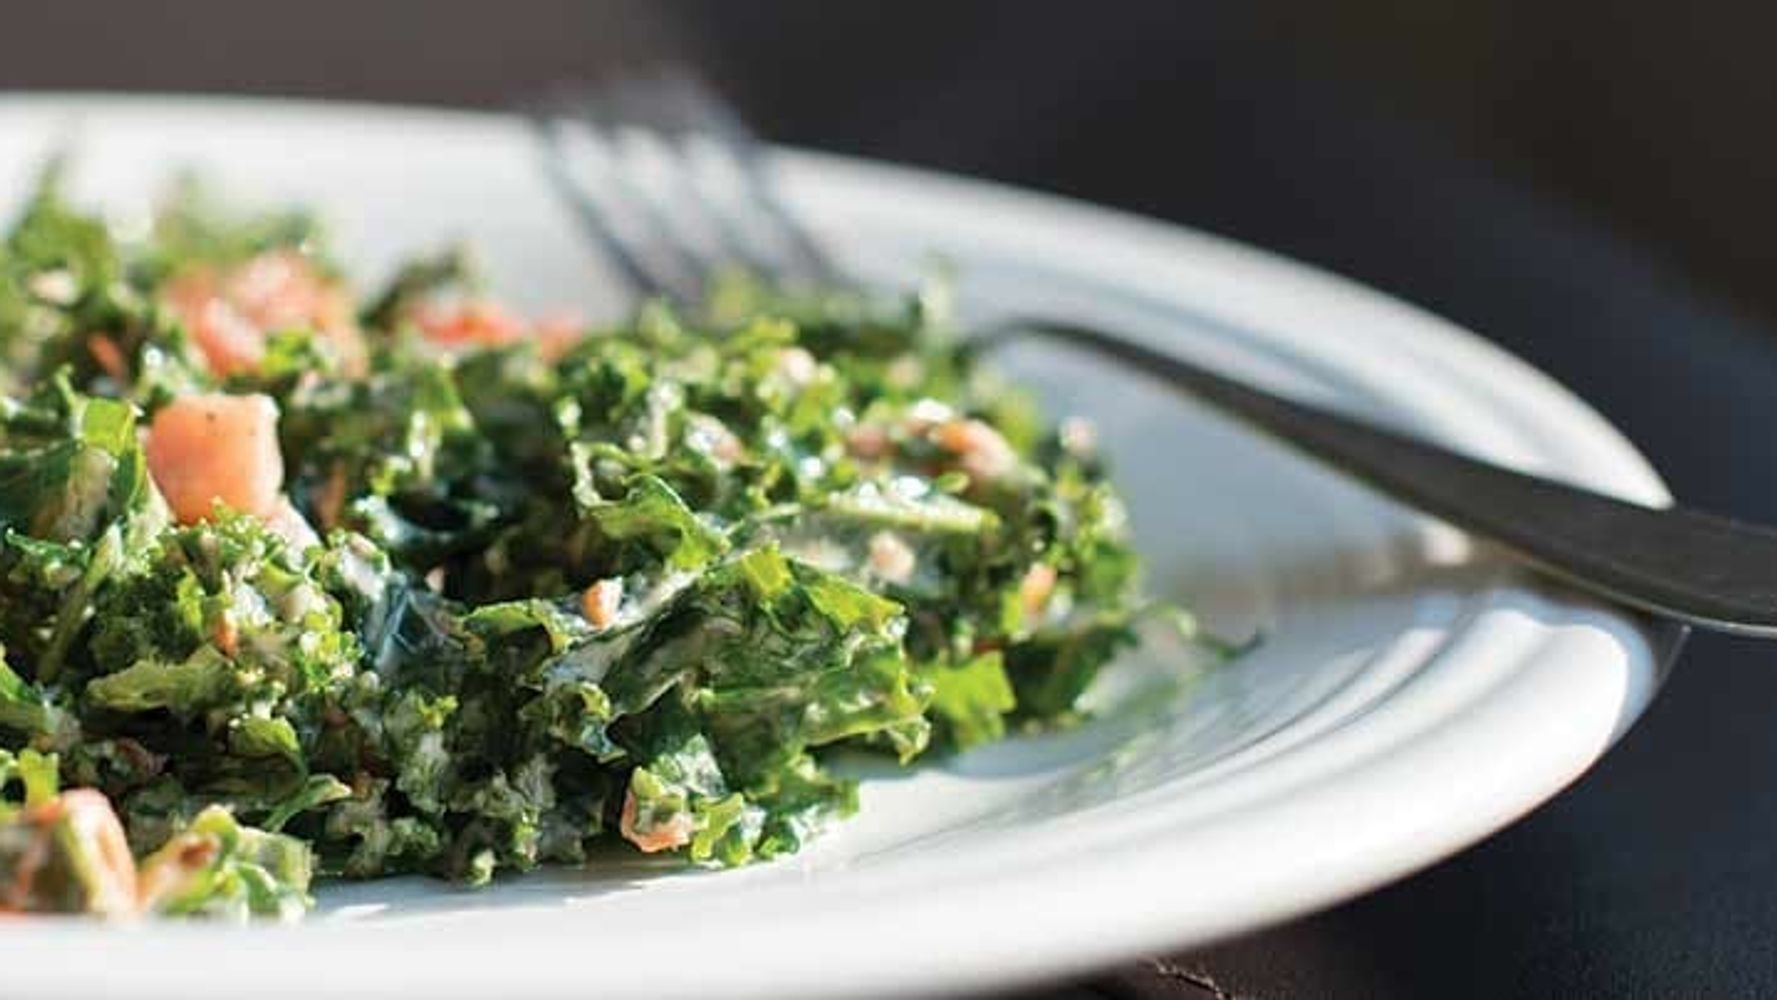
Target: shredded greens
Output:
[(487, 592)]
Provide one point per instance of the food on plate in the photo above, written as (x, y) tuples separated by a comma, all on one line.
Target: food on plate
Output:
[(299, 583)]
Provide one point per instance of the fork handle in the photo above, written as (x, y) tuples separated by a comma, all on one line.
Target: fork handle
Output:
[(1686, 565)]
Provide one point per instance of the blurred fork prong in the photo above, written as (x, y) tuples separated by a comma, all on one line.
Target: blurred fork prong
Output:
[(707, 192), (670, 183), (716, 190), (605, 164), (707, 118), (581, 187)]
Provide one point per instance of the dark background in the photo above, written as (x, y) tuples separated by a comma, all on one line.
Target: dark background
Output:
[(1654, 118), (1584, 182)]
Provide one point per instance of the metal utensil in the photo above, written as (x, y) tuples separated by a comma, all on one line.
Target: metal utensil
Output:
[(706, 202)]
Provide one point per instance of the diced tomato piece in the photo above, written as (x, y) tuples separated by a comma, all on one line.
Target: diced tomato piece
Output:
[(661, 837), (601, 601), (478, 323), (206, 449), (231, 312), (229, 342)]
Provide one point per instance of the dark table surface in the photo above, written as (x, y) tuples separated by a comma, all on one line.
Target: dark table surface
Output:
[(1652, 877)]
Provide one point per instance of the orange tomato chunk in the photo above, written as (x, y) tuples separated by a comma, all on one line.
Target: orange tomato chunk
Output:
[(231, 312), (668, 836), (479, 323), (216, 448)]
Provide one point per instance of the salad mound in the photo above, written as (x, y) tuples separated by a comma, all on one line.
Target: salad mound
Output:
[(296, 583)]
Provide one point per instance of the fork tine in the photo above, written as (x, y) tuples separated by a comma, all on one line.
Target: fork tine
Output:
[(702, 113), (590, 211), (638, 102), (667, 227), (680, 257)]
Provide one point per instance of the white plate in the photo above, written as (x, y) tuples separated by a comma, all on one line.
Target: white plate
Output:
[(1412, 694)]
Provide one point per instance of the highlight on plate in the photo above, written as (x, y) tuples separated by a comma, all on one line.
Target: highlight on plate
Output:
[(299, 583)]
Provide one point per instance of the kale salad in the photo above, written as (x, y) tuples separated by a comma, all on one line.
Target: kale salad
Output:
[(299, 583)]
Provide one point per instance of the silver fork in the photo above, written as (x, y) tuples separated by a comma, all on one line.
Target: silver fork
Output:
[(710, 205), (706, 201)]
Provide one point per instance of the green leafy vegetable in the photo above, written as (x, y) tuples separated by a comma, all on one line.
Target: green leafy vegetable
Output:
[(217, 868), (526, 589), (973, 698)]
